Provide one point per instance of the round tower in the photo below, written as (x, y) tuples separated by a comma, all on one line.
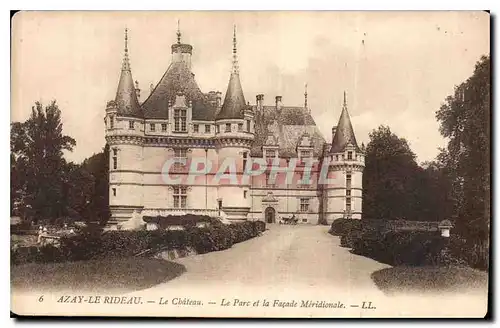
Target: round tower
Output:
[(234, 138), (343, 194), (124, 130)]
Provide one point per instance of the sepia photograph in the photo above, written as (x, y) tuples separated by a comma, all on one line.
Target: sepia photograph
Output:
[(250, 164)]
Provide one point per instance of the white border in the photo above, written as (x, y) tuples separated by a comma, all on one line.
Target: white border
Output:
[(193, 5)]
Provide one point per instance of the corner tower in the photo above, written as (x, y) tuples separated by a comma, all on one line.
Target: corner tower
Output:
[(234, 138), (347, 162), (124, 130)]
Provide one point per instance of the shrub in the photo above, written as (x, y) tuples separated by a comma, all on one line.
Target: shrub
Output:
[(94, 245), (261, 226), (342, 227)]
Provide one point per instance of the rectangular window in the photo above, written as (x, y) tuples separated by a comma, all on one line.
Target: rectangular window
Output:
[(349, 155), (228, 127), (304, 204), (245, 194), (217, 128), (180, 157), (180, 197), (152, 127), (131, 125), (164, 127), (244, 160), (240, 127), (207, 128), (304, 220), (348, 192), (114, 191), (248, 125), (115, 158), (348, 204), (111, 122), (268, 181), (196, 128), (348, 179), (270, 154), (180, 120)]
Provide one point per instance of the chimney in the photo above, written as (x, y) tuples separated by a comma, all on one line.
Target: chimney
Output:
[(151, 88), (279, 104), (260, 101), (218, 98), (137, 90)]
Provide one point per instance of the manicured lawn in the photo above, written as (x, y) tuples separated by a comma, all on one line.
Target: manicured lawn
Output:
[(430, 279), (111, 275)]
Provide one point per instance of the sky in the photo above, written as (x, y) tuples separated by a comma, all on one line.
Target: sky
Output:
[(396, 67)]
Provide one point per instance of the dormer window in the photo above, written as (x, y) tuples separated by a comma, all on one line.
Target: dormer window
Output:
[(196, 128), (131, 125), (248, 125), (207, 128), (180, 120), (152, 127), (349, 155), (111, 122), (305, 154), (240, 127), (270, 153), (228, 127)]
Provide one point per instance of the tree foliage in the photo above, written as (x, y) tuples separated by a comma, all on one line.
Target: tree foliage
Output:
[(389, 177), (43, 184), (465, 121), (38, 165)]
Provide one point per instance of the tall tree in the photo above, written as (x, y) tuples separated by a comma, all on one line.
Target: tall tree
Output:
[(37, 147), (389, 177), (98, 166), (465, 120)]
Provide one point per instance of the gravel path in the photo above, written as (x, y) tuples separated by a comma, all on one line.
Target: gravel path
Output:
[(284, 257)]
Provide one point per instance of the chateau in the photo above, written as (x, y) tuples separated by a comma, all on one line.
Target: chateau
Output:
[(178, 121)]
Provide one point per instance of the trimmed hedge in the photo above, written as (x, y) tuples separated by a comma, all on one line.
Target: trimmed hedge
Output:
[(112, 244), (343, 227)]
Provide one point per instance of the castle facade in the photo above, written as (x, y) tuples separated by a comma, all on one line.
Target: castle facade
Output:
[(178, 123)]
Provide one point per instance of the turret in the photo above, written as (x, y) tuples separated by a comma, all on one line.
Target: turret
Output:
[(124, 129), (346, 164), (234, 138)]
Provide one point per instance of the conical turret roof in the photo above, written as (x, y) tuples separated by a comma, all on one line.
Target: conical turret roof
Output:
[(345, 133), (234, 101), (126, 97)]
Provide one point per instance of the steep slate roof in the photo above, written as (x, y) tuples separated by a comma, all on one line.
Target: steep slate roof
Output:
[(345, 133), (287, 125), (178, 78), (234, 101), (126, 98)]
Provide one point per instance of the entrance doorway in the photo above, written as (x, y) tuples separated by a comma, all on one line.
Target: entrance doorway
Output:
[(270, 214)]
